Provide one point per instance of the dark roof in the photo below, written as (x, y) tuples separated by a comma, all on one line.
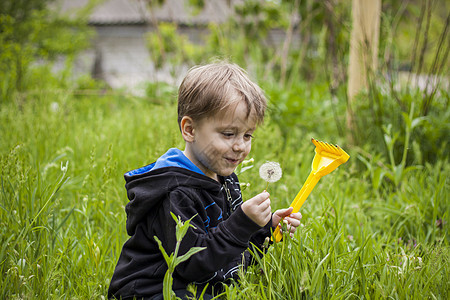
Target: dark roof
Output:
[(111, 12)]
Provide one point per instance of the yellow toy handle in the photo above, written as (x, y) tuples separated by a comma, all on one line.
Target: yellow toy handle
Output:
[(298, 201), (326, 159)]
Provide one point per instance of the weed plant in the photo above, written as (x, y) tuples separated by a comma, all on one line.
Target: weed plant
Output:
[(63, 220)]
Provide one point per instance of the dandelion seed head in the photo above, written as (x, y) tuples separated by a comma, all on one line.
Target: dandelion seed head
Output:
[(270, 171)]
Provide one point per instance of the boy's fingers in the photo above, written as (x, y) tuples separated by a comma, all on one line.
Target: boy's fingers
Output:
[(260, 198), (292, 221), (284, 212), (265, 205), (265, 208), (297, 216)]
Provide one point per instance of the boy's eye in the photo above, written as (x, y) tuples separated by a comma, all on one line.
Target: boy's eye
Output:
[(248, 136), (227, 134)]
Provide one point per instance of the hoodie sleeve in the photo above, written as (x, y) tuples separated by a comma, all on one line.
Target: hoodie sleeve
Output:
[(224, 243), (259, 237)]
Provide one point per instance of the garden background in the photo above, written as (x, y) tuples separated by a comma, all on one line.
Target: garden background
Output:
[(377, 227)]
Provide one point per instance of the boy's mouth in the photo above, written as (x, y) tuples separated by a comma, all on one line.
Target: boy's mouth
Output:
[(232, 161)]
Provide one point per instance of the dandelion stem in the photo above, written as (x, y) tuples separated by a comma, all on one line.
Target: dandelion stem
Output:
[(267, 185)]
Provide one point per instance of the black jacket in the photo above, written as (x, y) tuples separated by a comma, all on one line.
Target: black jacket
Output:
[(221, 226)]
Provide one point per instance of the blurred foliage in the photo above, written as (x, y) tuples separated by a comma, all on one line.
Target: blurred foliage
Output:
[(31, 34), (170, 48), (286, 44)]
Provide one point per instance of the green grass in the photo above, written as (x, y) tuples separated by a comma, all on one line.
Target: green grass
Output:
[(62, 218)]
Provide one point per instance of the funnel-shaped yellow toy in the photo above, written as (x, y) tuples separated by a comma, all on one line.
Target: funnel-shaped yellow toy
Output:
[(326, 159)]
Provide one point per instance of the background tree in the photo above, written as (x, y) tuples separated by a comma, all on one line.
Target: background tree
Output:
[(32, 31), (363, 61)]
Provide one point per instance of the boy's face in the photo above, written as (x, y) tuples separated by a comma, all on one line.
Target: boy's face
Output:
[(221, 142)]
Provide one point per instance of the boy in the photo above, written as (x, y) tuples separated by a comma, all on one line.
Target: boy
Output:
[(218, 111)]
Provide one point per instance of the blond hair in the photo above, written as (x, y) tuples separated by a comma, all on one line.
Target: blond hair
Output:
[(210, 88)]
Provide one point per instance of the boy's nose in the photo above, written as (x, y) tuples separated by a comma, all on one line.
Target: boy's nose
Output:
[(238, 145)]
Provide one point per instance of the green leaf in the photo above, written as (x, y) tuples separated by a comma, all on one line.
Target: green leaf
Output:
[(412, 168), (175, 218), (416, 122), (390, 176), (181, 231), (163, 251), (245, 169), (187, 255), (317, 272), (377, 178), (167, 286), (398, 174), (364, 161), (407, 120)]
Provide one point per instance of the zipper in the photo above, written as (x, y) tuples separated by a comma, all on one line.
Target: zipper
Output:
[(229, 199)]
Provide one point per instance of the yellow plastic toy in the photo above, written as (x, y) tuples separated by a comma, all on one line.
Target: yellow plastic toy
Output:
[(326, 159)]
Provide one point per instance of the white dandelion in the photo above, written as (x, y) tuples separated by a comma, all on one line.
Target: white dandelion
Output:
[(270, 172)]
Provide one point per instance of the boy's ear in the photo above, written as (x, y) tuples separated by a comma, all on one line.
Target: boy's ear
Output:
[(187, 129)]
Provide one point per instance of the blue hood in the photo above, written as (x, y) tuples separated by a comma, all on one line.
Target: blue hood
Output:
[(172, 158)]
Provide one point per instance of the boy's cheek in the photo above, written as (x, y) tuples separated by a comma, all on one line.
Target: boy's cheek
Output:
[(211, 150)]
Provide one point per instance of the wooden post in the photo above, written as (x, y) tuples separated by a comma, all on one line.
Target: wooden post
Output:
[(363, 50)]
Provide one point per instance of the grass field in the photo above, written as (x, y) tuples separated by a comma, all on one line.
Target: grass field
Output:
[(63, 221)]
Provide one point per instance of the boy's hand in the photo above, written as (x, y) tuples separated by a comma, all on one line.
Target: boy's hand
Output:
[(291, 220), (258, 209)]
